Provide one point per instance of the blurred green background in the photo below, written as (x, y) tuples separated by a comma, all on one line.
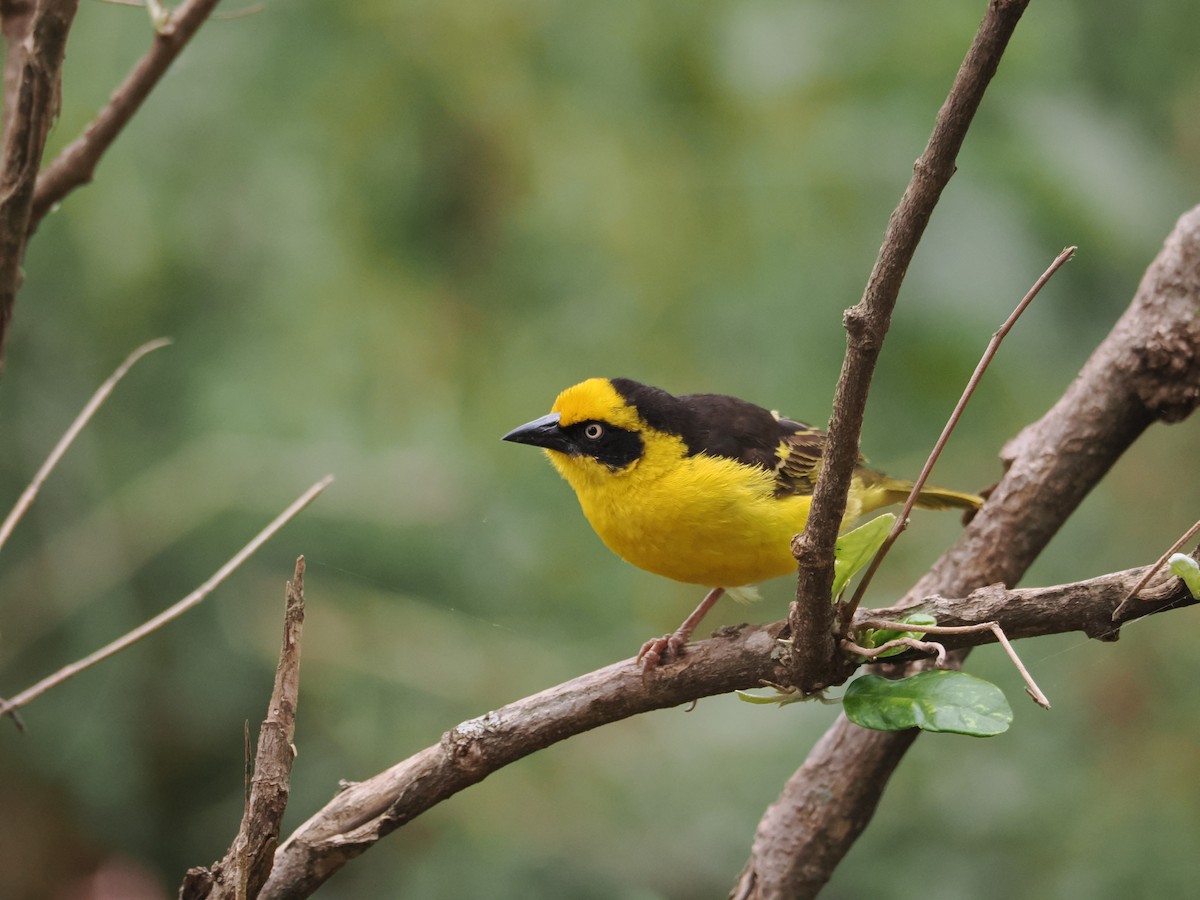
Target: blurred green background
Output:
[(383, 233)]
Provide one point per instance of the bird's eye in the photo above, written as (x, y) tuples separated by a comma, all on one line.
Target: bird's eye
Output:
[(593, 431)]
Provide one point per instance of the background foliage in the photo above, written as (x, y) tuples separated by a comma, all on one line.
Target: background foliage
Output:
[(382, 234)]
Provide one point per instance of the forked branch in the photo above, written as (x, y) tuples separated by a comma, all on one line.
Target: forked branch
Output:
[(76, 164)]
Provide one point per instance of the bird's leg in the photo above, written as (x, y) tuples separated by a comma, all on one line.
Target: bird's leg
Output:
[(670, 646)]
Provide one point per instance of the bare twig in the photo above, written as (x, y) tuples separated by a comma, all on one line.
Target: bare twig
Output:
[(847, 612), (1031, 687), (1162, 561), (170, 614), (30, 493), (933, 648), (76, 164), (815, 656), (245, 868)]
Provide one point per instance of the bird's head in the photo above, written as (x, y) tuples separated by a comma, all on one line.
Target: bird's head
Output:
[(595, 429)]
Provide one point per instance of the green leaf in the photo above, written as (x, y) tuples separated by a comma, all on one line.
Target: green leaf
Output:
[(1183, 566), (854, 549), (878, 637), (936, 700)]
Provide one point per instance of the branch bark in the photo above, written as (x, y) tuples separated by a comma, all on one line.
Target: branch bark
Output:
[(355, 819), (1146, 370), (32, 83), (16, 16), (358, 817), (815, 657), (244, 870)]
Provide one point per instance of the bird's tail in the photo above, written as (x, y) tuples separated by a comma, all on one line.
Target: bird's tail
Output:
[(886, 491), (940, 498)]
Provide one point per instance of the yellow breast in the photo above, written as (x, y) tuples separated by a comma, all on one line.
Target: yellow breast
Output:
[(697, 519)]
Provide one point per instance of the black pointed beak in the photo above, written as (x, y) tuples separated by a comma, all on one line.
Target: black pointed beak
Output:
[(543, 432)]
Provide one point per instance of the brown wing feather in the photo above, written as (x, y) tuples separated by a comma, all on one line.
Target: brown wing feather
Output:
[(799, 458)]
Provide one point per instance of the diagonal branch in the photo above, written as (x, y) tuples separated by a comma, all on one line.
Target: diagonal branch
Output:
[(172, 612), (64, 443), (76, 164), (812, 616), (1146, 370)]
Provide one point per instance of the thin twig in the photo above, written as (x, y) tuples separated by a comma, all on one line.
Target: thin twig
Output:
[(75, 164), (847, 612), (1153, 570), (30, 493), (931, 647), (1031, 687), (172, 613)]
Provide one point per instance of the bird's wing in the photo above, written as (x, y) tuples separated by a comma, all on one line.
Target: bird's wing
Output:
[(799, 455), (725, 426)]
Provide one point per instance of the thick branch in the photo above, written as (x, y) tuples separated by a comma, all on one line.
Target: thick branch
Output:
[(76, 164), (33, 77), (16, 16), (812, 617), (1147, 369), (806, 798), (1033, 612), (362, 814)]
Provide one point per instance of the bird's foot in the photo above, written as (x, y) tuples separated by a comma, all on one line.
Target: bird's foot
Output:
[(660, 650), (670, 646)]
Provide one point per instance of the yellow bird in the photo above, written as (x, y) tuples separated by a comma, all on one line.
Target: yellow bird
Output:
[(702, 488)]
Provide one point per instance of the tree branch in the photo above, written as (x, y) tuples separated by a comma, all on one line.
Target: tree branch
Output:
[(738, 659), (815, 657), (32, 82), (1147, 369), (355, 819), (244, 870), (172, 612), (76, 164), (16, 16), (64, 443)]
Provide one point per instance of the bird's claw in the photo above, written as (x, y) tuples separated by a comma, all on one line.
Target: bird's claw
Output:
[(659, 650)]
